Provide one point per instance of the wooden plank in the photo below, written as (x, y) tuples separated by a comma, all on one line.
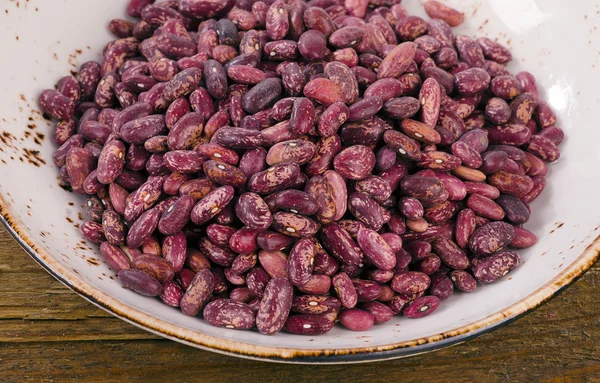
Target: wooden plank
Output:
[(48, 333)]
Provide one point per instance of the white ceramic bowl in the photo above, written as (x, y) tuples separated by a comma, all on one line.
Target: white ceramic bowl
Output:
[(556, 40)]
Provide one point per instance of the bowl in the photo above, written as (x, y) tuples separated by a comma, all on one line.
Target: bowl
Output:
[(555, 40)]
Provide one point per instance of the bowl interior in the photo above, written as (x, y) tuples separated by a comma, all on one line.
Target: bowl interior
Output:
[(555, 40)]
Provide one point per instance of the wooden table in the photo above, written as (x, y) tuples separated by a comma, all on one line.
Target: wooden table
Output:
[(48, 333)]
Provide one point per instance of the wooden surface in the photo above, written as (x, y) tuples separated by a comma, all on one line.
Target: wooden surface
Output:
[(48, 333)]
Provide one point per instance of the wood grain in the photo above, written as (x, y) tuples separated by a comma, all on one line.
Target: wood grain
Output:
[(48, 333)]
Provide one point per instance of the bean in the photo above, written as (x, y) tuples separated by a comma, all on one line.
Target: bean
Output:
[(174, 250), (275, 178), (198, 293), (171, 294), (410, 283), (441, 286), (115, 257), (366, 210), (184, 161), (355, 162), (294, 225), (496, 266), (154, 266), (212, 204), (275, 306), (253, 211), (437, 10), (491, 237), (341, 245), (325, 91), (421, 307), (300, 262), (463, 281), (262, 95), (376, 249), (357, 320), (140, 282)]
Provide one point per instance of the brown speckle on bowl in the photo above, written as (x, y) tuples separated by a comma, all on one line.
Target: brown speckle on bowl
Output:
[(73, 60), (485, 22), (33, 156), (93, 261), (65, 187)]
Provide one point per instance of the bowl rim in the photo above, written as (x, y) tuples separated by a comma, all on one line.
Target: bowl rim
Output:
[(294, 355)]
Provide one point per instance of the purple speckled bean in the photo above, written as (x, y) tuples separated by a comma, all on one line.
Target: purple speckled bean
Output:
[(366, 210), (308, 324), (244, 262), (318, 284), (219, 234), (345, 290), (142, 228), (185, 131), (79, 164), (253, 211), (463, 281), (174, 250), (275, 306), (171, 294), (516, 211), (376, 249), (293, 200), (238, 138), (269, 240), (153, 265), (294, 225), (140, 282), (381, 312), (292, 151), (397, 61), (421, 307), (491, 237), (115, 257), (300, 262), (275, 263), (441, 286), (113, 227), (523, 238), (222, 173), (341, 245), (229, 314), (276, 178), (198, 293), (367, 290), (450, 253), (496, 266), (93, 232), (355, 162), (410, 283), (357, 320), (212, 204), (89, 76), (111, 161), (219, 255)]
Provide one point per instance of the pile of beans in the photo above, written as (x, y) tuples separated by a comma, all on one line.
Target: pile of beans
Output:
[(288, 165)]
